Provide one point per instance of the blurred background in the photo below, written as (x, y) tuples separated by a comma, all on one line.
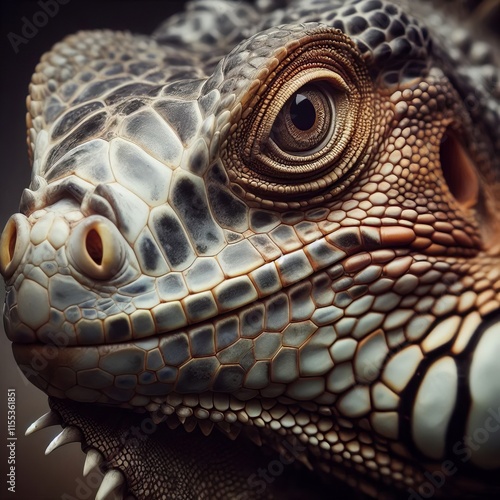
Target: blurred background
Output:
[(59, 475)]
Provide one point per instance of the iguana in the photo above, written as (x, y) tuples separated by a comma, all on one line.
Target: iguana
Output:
[(267, 228)]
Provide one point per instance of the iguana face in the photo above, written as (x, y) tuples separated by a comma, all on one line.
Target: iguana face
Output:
[(288, 233)]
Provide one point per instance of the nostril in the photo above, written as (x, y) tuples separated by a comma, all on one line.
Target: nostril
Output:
[(96, 249), (94, 246), (8, 244), (13, 243)]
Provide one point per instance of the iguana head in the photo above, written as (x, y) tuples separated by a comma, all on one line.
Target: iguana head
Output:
[(290, 232)]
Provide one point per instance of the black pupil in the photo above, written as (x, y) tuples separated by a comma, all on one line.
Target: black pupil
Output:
[(302, 112)]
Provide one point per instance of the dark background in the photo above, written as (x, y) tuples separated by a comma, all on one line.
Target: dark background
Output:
[(39, 477)]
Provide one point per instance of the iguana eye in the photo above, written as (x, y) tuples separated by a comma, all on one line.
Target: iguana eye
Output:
[(303, 130), (305, 121)]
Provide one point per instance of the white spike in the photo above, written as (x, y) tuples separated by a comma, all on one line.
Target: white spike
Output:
[(234, 432), (172, 423), (68, 435), (224, 427), (206, 426), (92, 461), (253, 435), (306, 462), (47, 420), (190, 424), (110, 487)]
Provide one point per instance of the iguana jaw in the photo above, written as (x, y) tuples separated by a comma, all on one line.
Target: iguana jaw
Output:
[(116, 440)]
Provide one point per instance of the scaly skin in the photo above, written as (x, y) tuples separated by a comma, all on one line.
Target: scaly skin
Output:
[(324, 283)]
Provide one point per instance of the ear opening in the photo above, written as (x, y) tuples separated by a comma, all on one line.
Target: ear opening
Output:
[(459, 171), (463, 182)]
